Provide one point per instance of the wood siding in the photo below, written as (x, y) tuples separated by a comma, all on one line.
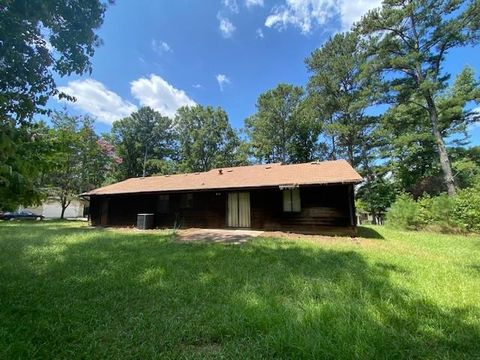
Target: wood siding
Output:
[(322, 207)]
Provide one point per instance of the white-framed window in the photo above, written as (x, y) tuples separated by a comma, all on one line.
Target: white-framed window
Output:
[(291, 200)]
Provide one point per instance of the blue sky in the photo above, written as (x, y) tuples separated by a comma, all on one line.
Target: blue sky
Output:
[(166, 54)]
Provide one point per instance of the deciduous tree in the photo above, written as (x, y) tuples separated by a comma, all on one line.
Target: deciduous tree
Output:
[(146, 142), (207, 140), (282, 129)]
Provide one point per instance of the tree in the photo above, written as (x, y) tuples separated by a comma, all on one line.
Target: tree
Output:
[(282, 129), (206, 139), (409, 40), (41, 39), (79, 160), (23, 161), (145, 141), (376, 195), (410, 145), (342, 91)]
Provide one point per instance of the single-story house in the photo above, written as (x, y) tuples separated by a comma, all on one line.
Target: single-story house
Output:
[(51, 208), (310, 198)]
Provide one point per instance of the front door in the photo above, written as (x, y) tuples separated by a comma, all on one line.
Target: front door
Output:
[(238, 209)]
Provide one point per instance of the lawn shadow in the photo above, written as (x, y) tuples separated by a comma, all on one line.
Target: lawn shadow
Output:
[(129, 295), (368, 233)]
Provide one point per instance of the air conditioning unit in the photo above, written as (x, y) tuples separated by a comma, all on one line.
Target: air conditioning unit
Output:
[(145, 221)]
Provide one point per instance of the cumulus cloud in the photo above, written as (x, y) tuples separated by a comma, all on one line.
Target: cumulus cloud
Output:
[(226, 27), (160, 47), (95, 99), (159, 95), (308, 14), (197, 86), (259, 33), (251, 3), (222, 80)]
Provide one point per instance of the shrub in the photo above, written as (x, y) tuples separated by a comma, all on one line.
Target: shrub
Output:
[(436, 212), (404, 213), (443, 213), (466, 209)]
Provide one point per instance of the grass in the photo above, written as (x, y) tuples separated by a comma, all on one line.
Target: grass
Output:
[(69, 291)]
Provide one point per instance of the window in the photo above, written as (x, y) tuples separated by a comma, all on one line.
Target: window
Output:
[(291, 200), (162, 205), (186, 201)]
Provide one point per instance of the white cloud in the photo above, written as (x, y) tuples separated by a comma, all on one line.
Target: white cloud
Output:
[(222, 80), (226, 27), (160, 47), (231, 5), (197, 86), (308, 14), (352, 11), (259, 33), (159, 95), (95, 99), (251, 3)]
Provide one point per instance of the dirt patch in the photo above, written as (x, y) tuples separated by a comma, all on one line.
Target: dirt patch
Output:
[(228, 236)]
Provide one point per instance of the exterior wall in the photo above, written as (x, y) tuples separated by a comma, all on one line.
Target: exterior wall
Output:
[(322, 207)]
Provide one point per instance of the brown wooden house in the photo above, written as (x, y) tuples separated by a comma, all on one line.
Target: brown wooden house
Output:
[(307, 198)]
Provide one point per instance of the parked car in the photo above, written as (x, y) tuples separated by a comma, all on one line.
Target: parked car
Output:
[(24, 214)]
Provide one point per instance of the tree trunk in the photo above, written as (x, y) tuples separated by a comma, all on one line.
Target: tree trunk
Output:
[(64, 204), (144, 162), (350, 153), (442, 149), (334, 149)]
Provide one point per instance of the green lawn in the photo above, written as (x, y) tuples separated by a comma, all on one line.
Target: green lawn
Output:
[(70, 291)]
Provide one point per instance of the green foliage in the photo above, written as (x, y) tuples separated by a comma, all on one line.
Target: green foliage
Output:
[(24, 158), (41, 39), (433, 213), (146, 143), (79, 161), (376, 195), (341, 89), (466, 163), (207, 140), (404, 213), (443, 213), (408, 42), (466, 208), (283, 128), (436, 212)]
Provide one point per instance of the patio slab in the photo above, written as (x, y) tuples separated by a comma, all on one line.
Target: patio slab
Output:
[(229, 236)]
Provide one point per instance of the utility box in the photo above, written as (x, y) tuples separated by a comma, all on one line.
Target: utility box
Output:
[(145, 221)]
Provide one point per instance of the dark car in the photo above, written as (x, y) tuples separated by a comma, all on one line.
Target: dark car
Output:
[(24, 214)]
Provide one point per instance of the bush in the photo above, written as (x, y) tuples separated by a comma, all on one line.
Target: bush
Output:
[(466, 209), (436, 212), (443, 213), (404, 213)]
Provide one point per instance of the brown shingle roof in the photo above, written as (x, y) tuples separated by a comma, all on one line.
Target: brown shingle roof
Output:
[(326, 172)]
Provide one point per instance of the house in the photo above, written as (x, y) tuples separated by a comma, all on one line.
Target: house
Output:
[(51, 209), (309, 198)]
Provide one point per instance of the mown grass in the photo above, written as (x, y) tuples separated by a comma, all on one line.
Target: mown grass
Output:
[(69, 291)]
